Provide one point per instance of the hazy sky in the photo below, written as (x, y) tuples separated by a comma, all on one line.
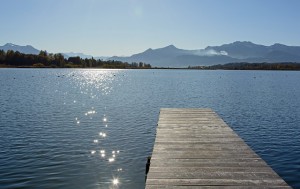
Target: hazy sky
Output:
[(124, 27)]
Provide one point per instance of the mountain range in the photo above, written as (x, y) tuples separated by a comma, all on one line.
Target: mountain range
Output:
[(171, 56), (28, 49), (238, 51)]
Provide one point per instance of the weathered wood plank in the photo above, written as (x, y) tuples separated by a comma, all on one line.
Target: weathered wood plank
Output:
[(185, 125), (195, 148), (222, 160), (204, 155), (232, 165), (198, 142), (183, 140), (212, 187), (196, 135), (217, 182), (188, 147), (212, 175)]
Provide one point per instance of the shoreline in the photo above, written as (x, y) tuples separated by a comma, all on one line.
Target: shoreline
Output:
[(205, 69)]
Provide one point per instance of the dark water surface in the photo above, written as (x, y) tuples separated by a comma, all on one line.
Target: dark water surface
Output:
[(73, 128)]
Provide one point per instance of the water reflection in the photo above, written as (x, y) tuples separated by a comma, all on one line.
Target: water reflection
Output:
[(102, 152), (77, 120), (102, 134), (115, 181), (96, 86), (91, 82)]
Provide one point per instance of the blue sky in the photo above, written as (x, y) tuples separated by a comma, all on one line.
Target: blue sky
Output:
[(124, 27)]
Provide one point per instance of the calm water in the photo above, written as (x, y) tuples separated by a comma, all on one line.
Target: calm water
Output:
[(65, 128)]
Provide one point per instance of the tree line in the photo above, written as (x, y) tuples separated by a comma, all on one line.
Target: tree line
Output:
[(50, 60), (252, 66)]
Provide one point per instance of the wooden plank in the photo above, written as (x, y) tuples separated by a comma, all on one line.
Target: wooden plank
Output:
[(249, 165), (195, 148), (212, 187), (204, 155), (196, 135), (183, 140), (200, 167), (212, 175), (189, 147), (217, 182), (183, 125)]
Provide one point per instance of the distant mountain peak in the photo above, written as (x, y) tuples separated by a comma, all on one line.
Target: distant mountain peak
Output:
[(278, 45), (243, 42), (170, 47), (10, 44), (28, 49), (74, 54)]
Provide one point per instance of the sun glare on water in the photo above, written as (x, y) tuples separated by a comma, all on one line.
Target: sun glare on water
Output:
[(116, 181)]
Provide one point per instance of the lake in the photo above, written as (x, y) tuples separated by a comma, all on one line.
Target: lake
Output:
[(90, 128)]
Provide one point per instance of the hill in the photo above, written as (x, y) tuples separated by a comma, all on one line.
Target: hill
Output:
[(171, 56), (28, 49)]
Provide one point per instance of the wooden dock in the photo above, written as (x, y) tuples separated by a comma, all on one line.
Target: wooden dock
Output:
[(195, 148)]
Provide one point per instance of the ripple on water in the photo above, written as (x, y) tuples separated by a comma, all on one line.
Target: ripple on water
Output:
[(96, 128)]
